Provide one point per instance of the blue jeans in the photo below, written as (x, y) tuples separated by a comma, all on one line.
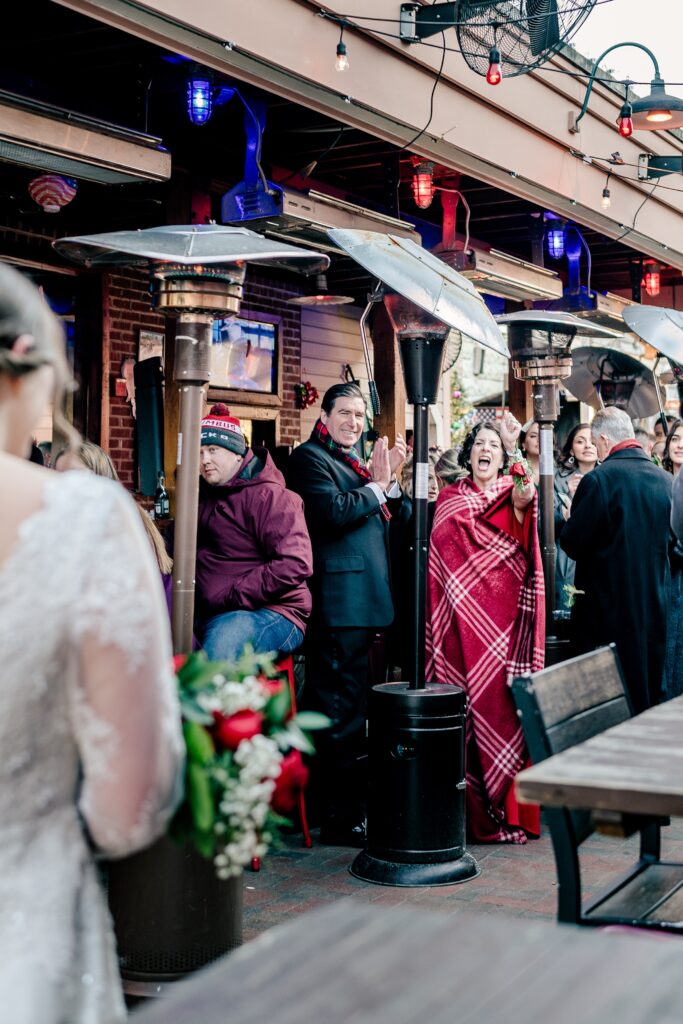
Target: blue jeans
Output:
[(225, 635)]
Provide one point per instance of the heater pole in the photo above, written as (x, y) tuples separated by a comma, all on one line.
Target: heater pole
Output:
[(420, 496), (191, 372), (547, 495)]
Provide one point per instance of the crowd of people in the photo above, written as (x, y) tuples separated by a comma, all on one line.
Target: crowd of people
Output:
[(318, 560)]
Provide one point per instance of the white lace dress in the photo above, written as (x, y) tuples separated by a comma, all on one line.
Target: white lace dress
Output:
[(89, 733)]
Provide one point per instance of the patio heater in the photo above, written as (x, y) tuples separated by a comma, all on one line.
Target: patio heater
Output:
[(196, 276), (603, 377), (662, 329), (416, 728), (539, 342), (171, 913)]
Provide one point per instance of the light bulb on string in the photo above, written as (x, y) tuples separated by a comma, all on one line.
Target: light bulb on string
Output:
[(341, 62), (606, 200), (494, 73), (625, 121)]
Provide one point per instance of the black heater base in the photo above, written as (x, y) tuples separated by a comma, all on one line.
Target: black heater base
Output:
[(386, 872), (416, 796)]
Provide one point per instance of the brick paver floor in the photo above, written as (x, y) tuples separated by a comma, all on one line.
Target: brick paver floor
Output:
[(518, 881)]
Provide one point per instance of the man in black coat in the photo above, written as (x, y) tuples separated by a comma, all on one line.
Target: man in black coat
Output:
[(618, 532), (347, 507)]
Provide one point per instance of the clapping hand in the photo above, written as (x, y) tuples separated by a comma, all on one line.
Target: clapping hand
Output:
[(380, 467), (397, 454), (509, 431)]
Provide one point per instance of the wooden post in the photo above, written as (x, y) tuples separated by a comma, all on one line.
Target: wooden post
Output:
[(520, 402)]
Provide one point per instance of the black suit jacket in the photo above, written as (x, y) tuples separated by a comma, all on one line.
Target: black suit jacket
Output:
[(618, 533), (350, 583)]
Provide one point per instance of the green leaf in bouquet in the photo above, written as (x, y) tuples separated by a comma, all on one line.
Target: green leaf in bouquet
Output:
[(310, 721), (200, 748), (200, 797), (278, 707), (293, 737), (193, 712), (204, 843)]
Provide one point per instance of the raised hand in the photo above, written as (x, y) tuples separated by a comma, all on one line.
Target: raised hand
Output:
[(380, 468), (397, 454), (509, 431)]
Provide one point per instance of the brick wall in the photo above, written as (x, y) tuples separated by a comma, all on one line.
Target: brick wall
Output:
[(127, 309)]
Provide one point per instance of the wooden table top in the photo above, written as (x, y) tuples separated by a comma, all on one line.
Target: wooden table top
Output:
[(355, 963), (636, 767)]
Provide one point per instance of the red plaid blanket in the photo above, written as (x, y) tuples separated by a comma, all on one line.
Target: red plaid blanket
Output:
[(486, 623)]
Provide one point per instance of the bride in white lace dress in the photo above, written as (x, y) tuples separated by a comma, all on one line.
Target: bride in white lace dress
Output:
[(90, 744)]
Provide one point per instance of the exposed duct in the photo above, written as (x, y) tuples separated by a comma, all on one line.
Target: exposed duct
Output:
[(53, 139), (306, 217)]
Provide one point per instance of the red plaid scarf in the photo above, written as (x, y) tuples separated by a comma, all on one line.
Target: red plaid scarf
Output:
[(485, 624), (348, 455)]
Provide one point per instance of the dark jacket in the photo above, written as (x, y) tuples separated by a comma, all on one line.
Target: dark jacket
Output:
[(253, 550), (349, 536), (618, 533)]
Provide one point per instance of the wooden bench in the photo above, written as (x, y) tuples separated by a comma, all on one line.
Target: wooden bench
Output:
[(561, 707)]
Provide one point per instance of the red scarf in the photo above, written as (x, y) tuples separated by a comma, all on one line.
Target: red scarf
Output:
[(485, 624), (629, 443), (350, 456)]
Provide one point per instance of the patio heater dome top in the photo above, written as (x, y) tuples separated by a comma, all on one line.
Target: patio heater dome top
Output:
[(424, 280), (188, 245), (604, 376), (552, 321), (659, 327)]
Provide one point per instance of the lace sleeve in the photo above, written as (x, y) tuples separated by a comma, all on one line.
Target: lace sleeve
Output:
[(124, 705)]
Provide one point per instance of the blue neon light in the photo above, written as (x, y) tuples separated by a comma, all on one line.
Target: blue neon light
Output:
[(199, 99)]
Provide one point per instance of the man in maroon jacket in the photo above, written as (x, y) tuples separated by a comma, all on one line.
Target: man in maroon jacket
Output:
[(253, 549)]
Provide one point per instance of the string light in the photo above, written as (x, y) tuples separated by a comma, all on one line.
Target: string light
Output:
[(606, 200), (423, 183), (494, 73), (625, 121), (341, 61)]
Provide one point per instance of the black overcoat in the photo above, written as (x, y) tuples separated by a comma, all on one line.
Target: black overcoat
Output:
[(350, 584), (619, 534)]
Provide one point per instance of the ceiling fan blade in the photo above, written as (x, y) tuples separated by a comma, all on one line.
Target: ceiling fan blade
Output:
[(544, 25)]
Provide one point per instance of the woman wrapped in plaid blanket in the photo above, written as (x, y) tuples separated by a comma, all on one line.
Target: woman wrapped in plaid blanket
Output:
[(485, 619)]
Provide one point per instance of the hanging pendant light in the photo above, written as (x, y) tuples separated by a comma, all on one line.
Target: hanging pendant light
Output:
[(199, 97), (625, 121), (423, 183), (652, 278)]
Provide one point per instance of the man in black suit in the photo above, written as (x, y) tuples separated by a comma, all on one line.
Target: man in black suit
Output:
[(618, 532), (347, 506)]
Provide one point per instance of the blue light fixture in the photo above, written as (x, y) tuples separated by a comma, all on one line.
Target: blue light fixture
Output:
[(199, 97), (554, 234)]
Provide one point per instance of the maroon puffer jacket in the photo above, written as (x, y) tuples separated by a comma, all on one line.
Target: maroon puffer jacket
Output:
[(253, 548)]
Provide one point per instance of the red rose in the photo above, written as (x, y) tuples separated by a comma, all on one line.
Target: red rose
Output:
[(292, 779), (229, 732), (178, 661), (517, 469), (273, 686)]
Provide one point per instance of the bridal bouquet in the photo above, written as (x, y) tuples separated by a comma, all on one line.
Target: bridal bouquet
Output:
[(520, 471), (244, 769)]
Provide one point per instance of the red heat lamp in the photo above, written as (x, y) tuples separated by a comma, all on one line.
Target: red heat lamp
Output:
[(423, 184), (494, 73), (652, 279)]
